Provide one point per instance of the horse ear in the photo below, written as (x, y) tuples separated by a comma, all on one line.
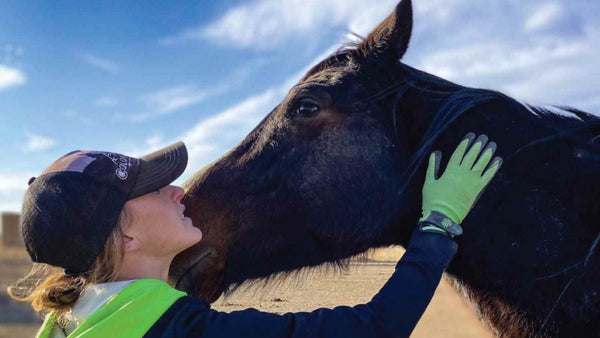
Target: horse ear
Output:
[(390, 39)]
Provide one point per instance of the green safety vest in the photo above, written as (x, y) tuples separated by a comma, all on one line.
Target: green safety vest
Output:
[(130, 313)]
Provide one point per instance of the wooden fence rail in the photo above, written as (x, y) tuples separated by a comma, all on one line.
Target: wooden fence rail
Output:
[(11, 230)]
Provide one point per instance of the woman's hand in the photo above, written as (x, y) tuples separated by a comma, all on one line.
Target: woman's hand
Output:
[(454, 193)]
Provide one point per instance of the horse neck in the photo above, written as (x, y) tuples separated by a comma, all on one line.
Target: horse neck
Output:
[(539, 168), (424, 114), (414, 113), (431, 114)]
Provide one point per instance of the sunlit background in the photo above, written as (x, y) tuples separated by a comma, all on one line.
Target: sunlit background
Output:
[(131, 77)]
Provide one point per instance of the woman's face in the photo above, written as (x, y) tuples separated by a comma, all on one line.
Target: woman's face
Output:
[(156, 220)]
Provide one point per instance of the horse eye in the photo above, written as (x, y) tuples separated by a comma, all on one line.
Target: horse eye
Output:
[(307, 109)]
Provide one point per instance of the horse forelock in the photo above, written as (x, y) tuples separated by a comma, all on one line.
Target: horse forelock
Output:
[(333, 66)]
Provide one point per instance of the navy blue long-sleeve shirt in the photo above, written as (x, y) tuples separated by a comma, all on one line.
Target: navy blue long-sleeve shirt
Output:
[(393, 312)]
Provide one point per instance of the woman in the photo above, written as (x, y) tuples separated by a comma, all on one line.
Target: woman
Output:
[(108, 226)]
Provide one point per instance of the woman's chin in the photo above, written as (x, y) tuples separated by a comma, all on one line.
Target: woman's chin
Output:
[(195, 229)]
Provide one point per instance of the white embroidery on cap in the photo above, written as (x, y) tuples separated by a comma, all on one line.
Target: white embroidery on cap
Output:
[(122, 163)]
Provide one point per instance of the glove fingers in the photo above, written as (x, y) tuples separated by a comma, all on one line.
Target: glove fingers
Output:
[(492, 170), (434, 165), (484, 159), (459, 153), (473, 153)]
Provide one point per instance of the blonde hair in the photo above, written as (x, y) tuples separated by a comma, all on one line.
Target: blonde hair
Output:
[(48, 288)]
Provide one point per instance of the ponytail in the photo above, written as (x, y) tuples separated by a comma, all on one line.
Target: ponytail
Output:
[(48, 288)]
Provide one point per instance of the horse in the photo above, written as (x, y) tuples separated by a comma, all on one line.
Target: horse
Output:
[(337, 169)]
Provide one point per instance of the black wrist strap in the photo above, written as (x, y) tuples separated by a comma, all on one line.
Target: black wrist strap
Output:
[(437, 221)]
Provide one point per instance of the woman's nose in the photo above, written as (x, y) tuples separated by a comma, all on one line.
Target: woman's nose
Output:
[(176, 192)]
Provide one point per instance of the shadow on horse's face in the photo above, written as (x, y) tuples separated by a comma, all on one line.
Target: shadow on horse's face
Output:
[(316, 181)]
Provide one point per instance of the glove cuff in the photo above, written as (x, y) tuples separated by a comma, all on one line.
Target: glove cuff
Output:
[(439, 223)]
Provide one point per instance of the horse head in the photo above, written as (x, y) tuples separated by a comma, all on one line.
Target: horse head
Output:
[(316, 181)]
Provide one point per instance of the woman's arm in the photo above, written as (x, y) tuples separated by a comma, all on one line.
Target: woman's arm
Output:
[(393, 312)]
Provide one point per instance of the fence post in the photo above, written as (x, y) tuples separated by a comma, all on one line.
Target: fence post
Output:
[(11, 230)]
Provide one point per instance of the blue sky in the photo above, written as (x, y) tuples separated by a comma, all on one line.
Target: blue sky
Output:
[(131, 77)]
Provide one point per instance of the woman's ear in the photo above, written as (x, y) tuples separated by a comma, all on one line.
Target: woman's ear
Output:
[(131, 243)]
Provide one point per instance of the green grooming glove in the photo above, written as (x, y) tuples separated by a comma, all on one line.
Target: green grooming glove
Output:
[(454, 193)]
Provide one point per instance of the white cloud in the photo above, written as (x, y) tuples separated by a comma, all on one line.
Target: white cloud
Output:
[(106, 102), (11, 77), (73, 115), (549, 69), (234, 121), (37, 142), (172, 99), (154, 141), (12, 189), (495, 57), (212, 136), (167, 101), (268, 23), (544, 16), (101, 63), (10, 182)]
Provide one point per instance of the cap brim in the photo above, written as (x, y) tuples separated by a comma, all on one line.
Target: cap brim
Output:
[(160, 169)]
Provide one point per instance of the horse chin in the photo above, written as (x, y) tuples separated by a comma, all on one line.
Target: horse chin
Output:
[(198, 271)]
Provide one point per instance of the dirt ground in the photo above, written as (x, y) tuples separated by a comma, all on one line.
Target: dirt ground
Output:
[(447, 316)]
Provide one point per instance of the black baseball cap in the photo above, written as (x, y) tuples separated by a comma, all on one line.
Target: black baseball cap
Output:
[(71, 208)]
